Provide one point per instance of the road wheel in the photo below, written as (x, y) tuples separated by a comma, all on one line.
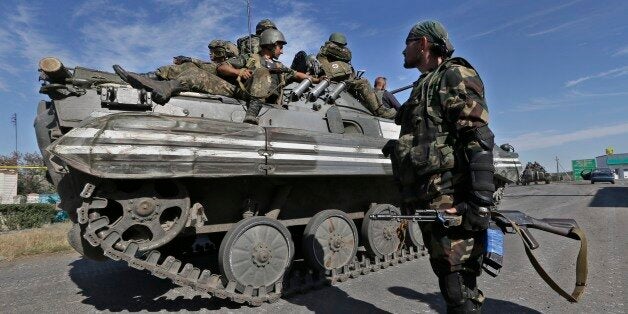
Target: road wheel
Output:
[(414, 236), (330, 240), (381, 237), (256, 252)]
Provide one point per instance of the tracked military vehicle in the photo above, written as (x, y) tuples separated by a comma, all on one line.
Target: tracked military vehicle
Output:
[(141, 180), (534, 172), (507, 169)]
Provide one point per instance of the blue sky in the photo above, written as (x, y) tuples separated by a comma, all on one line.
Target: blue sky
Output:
[(555, 72)]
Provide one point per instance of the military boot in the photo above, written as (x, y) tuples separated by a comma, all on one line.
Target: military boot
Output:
[(252, 110), (161, 90)]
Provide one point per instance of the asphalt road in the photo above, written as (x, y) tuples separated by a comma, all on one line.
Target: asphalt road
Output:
[(66, 283)]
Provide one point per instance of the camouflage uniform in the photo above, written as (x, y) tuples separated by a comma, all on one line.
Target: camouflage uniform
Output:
[(269, 77), (172, 71), (335, 61), (200, 76), (250, 44), (431, 162)]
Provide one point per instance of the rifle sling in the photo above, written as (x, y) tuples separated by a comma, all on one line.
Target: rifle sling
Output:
[(581, 264)]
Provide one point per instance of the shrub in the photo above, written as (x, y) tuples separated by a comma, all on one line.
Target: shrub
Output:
[(24, 216)]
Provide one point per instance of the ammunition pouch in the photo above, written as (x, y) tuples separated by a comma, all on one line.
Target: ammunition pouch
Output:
[(430, 158)]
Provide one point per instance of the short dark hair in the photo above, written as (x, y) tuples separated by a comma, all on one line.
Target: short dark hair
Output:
[(379, 78)]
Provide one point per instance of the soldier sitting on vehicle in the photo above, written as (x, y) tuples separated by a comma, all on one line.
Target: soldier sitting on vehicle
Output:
[(261, 75), (250, 44), (335, 60), (187, 74)]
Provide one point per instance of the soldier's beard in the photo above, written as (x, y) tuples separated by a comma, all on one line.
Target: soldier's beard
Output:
[(412, 65), (408, 65)]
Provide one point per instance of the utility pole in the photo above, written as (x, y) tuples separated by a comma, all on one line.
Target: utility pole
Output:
[(14, 121), (557, 175)]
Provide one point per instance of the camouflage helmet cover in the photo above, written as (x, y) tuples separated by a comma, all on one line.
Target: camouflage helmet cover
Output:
[(223, 48), (338, 38), (264, 25), (271, 36)]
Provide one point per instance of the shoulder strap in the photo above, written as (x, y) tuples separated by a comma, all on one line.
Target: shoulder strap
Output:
[(581, 264)]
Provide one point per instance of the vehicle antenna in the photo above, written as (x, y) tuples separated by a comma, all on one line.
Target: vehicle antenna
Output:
[(248, 17)]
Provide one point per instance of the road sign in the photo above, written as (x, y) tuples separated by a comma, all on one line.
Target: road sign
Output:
[(582, 164)]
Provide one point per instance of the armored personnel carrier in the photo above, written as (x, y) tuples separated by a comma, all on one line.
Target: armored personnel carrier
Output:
[(534, 172), (141, 180), (507, 169)]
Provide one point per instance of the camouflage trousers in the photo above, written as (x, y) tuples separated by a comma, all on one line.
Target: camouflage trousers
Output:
[(362, 90), (455, 257), (197, 78), (451, 249)]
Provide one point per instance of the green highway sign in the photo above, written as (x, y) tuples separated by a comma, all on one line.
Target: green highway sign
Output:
[(579, 165)]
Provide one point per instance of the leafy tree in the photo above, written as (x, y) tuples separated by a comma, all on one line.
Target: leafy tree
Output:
[(28, 180)]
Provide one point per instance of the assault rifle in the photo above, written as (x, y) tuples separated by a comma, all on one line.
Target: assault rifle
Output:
[(514, 222), (503, 219)]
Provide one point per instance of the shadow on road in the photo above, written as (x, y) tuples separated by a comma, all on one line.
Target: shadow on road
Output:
[(436, 302), (613, 196), (113, 286), (332, 299), (550, 195)]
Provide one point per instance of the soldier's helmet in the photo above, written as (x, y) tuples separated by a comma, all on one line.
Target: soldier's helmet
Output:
[(264, 25), (338, 38), (222, 49), (270, 37)]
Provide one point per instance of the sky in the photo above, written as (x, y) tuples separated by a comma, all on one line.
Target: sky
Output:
[(555, 72)]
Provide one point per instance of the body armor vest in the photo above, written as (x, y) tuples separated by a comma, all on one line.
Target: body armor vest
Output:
[(426, 145)]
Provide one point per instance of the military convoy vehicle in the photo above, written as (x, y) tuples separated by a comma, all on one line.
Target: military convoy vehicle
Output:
[(141, 180), (507, 169), (534, 172)]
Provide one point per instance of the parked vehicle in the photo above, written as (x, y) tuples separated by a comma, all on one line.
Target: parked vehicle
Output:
[(602, 175)]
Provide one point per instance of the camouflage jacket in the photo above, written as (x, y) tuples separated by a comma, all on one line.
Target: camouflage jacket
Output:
[(256, 61), (335, 62), (444, 104)]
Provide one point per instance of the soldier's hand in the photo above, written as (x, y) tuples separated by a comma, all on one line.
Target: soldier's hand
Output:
[(245, 74), (451, 211)]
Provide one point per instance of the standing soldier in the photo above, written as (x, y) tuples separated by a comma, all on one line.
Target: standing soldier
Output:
[(443, 160), (261, 75)]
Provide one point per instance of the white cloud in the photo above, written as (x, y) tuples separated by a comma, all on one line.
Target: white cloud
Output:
[(621, 52), (569, 99), (559, 27), (524, 19), (612, 73), (105, 34), (536, 140)]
